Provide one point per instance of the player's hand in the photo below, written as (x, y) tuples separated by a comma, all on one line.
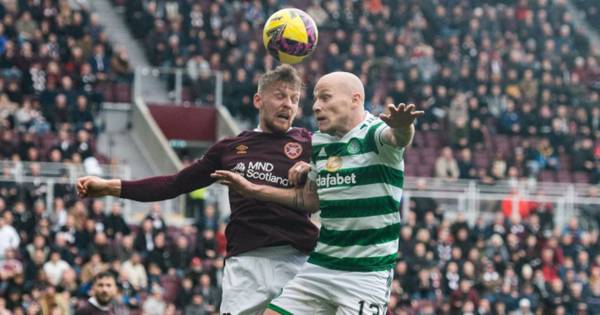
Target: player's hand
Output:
[(400, 116), (234, 181), (297, 174), (92, 186)]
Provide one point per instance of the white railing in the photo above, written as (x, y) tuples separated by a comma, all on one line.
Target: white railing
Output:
[(69, 171), (475, 199), (180, 84), (23, 174)]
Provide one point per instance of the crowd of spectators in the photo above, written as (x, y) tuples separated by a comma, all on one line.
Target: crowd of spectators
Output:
[(511, 263), (49, 259), (517, 264), (54, 60), (511, 77), (517, 70), (591, 10)]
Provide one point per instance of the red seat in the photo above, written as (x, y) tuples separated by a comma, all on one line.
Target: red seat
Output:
[(565, 161), (122, 92), (419, 140), (581, 177), (564, 176), (170, 285), (547, 176), (481, 159), (434, 139), (412, 155), (425, 171), (106, 90), (428, 153), (410, 171)]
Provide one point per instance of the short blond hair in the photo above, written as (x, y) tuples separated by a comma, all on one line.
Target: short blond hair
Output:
[(282, 74)]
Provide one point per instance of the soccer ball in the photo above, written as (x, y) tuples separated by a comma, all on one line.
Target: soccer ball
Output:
[(290, 35)]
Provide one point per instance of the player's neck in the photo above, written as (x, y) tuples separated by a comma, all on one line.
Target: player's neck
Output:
[(354, 121), (260, 128)]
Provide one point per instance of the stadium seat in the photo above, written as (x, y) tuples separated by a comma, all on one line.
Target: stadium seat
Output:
[(171, 286), (564, 176), (106, 90), (481, 159), (547, 176), (412, 154), (581, 177), (122, 92)]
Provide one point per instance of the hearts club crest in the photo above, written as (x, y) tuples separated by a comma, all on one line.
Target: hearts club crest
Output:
[(292, 150)]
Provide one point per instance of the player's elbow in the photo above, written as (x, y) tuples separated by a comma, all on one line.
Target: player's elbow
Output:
[(313, 208), (312, 204)]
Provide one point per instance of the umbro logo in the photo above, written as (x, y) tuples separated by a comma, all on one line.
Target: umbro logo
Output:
[(241, 149)]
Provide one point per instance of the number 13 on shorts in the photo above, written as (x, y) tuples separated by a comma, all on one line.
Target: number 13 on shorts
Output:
[(371, 308)]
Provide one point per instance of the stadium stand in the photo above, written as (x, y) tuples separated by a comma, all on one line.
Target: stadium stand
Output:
[(510, 89), (56, 68), (591, 9), (478, 71)]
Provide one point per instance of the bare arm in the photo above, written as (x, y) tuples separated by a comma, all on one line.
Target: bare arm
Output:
[(93, 186), (400, 120), (302, 198)]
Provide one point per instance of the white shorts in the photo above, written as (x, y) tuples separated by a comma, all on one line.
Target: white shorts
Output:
[(318, 290), (252, 279)]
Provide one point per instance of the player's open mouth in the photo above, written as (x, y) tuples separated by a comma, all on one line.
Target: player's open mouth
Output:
[(283, 116)]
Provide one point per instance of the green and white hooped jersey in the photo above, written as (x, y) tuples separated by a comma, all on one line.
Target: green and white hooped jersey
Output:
[(359, 182)]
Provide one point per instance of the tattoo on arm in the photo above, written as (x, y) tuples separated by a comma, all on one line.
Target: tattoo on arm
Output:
[(312, 187)]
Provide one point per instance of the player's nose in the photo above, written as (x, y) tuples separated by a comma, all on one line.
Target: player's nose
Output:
[(316, 107), (287, 102)]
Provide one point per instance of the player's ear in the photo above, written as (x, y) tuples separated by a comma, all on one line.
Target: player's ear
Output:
[(356, 100), (257, 101)]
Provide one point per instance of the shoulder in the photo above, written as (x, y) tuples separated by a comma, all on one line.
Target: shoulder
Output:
[(322, 138), (300, 134), (85, 308), (227, 142)]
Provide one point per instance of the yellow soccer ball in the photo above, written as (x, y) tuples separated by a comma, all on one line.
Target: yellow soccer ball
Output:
[(290, 35)]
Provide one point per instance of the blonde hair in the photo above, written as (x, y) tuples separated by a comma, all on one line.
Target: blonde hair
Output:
[(282, 74)]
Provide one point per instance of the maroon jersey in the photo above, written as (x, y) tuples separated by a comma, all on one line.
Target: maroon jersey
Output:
[(91, 307), (263, 158)]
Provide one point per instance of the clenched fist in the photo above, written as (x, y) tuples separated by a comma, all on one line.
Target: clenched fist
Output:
[(94, 186)]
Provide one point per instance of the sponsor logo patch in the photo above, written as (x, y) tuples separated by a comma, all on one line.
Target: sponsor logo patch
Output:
[(333, 163), (292, 150)]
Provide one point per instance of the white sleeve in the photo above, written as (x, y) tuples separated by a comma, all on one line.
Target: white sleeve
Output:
[(390, 152), (312, 174)]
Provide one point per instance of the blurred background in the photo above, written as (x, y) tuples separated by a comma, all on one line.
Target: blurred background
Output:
[(501, 209)]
